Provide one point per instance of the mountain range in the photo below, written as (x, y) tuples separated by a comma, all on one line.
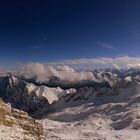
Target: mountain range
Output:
[(104, 107)]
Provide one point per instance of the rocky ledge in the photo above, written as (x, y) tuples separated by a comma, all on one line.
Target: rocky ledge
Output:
[(16, 124)]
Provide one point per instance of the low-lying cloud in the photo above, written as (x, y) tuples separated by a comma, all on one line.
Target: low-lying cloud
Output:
[(63, 71), (43, 73)]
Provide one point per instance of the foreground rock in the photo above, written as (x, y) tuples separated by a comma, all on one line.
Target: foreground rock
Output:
[(17, 125)]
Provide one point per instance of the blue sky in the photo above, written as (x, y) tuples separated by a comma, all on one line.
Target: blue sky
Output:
[(55, 30)]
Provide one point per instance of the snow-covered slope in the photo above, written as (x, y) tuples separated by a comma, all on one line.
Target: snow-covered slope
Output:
[(105, 114), (51, 94)]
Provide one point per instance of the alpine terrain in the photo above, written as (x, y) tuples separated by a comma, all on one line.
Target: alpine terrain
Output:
[(106, 107)]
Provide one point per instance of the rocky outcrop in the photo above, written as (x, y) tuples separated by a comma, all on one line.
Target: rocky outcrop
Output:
[(16, 124), (26, 96)]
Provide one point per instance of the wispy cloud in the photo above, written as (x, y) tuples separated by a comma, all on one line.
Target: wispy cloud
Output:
[(117, 62), (105, 46), (38, 47)]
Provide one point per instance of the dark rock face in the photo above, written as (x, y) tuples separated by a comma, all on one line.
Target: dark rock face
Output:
[(14, 91)]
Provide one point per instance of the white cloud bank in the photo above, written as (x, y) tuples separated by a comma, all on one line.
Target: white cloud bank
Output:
[(117, 62), (43, 72), (63, 71)]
